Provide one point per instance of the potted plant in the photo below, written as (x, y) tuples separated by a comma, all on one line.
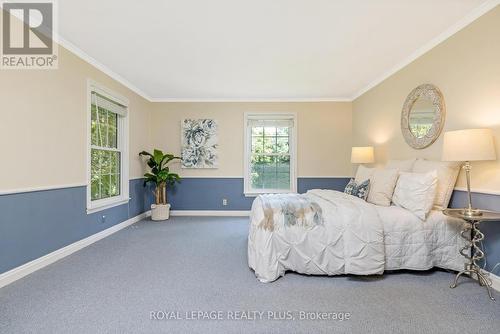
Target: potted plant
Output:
[(161, 177)]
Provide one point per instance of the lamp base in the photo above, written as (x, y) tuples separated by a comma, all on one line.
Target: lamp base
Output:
[(469, 211)]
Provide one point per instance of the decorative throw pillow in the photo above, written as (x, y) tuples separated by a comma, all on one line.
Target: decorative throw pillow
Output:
[(401, 165), (359, 190), (416, 192), (447, 173), (382, 183)]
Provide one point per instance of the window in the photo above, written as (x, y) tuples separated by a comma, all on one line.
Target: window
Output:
[(270, 153), (107, 184)]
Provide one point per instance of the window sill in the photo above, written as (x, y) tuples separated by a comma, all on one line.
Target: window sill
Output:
[(268, 192), (110, 204)]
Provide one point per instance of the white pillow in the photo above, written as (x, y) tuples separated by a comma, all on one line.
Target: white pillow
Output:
[(382, 183), (401, 165), (447, 173), (416, 192)]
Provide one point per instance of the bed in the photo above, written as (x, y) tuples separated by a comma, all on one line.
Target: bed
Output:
[(326, 232)]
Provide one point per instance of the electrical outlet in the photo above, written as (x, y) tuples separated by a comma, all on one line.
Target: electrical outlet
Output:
[(224, 201)]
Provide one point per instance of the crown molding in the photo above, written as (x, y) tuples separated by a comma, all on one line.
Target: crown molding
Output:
[(464, 22), (61, 41), (106, 70), (92, 61), (236, 100), (101, 67)]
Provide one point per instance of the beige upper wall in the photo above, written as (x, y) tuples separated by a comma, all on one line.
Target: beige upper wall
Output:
[(43, 128), (324, 134), (43, 124), (43, 117), (466, 68)]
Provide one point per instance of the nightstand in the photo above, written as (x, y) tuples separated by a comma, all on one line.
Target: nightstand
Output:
[(472, 250)]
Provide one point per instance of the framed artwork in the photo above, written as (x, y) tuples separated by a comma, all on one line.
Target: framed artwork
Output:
[(199, 143)]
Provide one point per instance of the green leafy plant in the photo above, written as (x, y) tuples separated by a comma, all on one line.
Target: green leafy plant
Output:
[(160, 175)]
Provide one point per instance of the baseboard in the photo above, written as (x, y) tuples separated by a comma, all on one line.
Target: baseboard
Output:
[(495, 280), (32, 266), (211, 213)]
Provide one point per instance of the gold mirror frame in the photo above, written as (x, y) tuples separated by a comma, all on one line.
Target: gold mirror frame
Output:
[(433, 94)]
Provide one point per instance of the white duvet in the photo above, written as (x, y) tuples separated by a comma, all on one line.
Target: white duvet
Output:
[(355, 238), (411, 243)]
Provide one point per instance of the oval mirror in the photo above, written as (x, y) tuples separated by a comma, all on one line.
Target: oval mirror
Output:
[(423, 116)]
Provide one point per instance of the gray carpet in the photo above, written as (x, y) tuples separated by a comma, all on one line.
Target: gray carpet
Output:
[(199, 264)]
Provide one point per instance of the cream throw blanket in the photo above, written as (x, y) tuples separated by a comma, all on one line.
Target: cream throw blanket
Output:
[(296, 210)]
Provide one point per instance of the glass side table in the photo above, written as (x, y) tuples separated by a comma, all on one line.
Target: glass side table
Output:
[(472, 251)]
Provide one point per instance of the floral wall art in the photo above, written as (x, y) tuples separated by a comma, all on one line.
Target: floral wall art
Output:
[(199, 143)]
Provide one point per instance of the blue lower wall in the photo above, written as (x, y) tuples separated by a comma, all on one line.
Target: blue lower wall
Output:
[(207, 193), (34, 224), (334, 183)]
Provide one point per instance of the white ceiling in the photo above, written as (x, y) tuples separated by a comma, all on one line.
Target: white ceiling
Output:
[(258, 49)]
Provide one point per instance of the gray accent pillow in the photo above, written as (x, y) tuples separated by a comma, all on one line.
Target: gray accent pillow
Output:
[(358, 189)]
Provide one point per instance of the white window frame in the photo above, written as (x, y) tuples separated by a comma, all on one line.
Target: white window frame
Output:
[(248, 191), (123, 147)]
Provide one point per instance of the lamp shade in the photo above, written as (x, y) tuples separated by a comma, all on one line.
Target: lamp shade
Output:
[(469, 145), (362, 155)]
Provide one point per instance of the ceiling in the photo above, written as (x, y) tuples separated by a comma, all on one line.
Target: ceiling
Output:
[(189, 50)]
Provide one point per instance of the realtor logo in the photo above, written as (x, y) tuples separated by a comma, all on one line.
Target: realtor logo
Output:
[(27, 35)]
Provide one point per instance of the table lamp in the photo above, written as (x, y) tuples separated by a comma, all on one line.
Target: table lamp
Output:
[(362, 155), (466, 146)]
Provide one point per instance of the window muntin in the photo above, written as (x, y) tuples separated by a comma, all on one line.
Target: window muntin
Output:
[(270, 154), (105, 172), (270, 158), (107, 169)]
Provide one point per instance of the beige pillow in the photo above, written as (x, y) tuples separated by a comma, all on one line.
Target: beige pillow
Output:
[(363, 173), (382, 183), (416, 192), (401, 165), (447, 173)]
